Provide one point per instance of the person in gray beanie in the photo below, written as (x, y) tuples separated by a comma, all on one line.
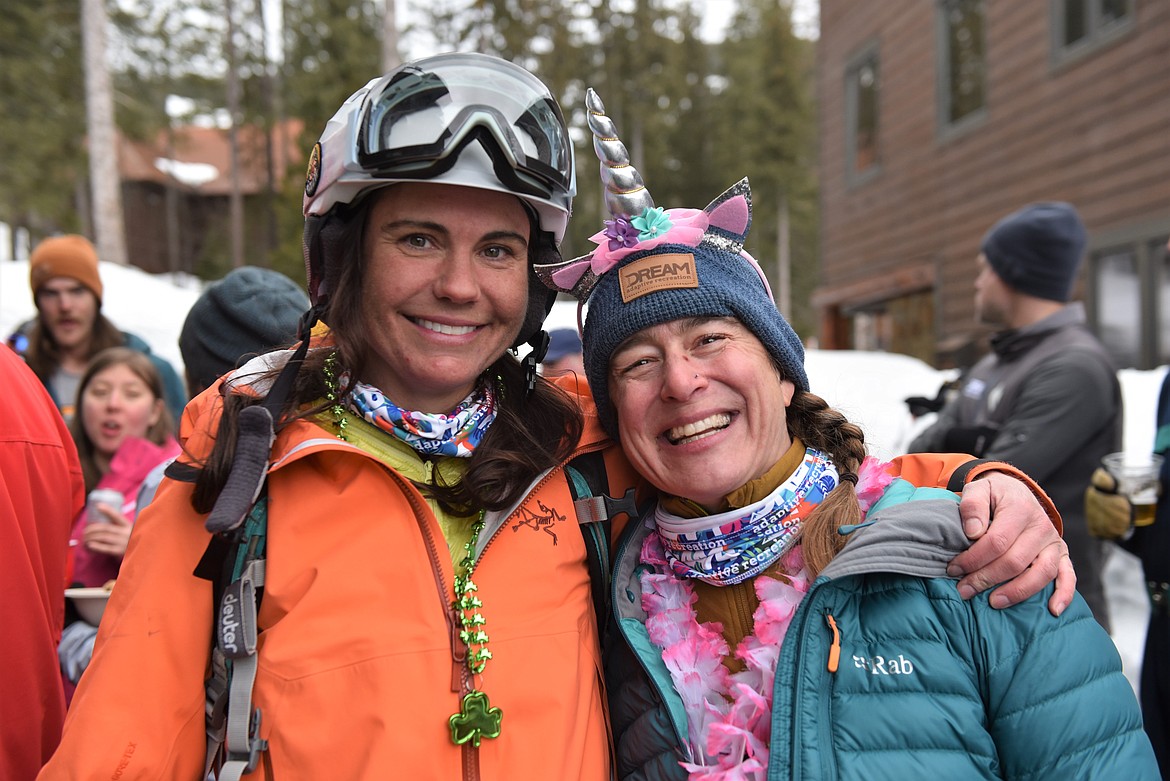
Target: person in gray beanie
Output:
[(251, 310), (768, 519), (1046, 397)]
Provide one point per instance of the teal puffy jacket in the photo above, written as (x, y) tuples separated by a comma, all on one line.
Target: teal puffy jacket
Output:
[(925, 686)]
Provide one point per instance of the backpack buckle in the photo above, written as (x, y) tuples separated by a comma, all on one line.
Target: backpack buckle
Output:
[(256, 746)]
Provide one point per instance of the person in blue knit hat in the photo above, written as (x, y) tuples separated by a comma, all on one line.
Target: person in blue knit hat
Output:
[(564, 353), (785, 605), (1046, 397)]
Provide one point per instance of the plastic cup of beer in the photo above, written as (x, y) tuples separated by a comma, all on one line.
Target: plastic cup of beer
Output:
[(1137, 480)]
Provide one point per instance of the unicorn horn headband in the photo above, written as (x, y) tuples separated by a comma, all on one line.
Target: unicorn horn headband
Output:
[(626, 195), (638, 225)]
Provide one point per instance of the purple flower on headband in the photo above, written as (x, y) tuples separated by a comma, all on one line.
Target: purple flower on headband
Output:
[(620, 233), (651, 223)]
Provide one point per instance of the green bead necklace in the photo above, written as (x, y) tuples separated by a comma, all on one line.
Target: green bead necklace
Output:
[(332, 395), (477, 718)]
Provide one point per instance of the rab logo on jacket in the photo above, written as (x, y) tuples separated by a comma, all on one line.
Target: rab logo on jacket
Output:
[(881, 665)]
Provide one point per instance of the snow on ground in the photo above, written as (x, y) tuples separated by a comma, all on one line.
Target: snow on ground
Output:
[(869, 387)]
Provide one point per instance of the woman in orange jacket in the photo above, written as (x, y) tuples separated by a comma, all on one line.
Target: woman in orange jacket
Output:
[(414, 503)]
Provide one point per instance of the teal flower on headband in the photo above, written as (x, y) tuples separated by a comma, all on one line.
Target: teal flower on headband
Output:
[(652, 223)]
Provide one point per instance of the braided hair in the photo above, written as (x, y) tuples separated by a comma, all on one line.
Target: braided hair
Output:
[(819, 426)]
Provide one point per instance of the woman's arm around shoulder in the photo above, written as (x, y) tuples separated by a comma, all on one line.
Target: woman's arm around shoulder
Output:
[(1022, 551)]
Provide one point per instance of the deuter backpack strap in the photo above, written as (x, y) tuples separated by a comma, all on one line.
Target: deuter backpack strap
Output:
[(235, 563)]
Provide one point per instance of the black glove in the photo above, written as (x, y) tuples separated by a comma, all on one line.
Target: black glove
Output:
[(969, 439)]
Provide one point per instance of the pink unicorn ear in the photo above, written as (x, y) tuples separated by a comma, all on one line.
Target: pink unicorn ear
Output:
[(732, 211)]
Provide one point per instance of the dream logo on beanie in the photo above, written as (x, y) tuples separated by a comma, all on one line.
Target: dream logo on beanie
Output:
[(655, 265), (657, 272)]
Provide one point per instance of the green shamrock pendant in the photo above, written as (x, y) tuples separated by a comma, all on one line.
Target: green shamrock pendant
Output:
[(475, 720)]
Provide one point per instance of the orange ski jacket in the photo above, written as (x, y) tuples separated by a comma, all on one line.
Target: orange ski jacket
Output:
[(359, 664)]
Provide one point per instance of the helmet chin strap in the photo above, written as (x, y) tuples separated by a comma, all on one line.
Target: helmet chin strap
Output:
[(539, 344), (254, 438)]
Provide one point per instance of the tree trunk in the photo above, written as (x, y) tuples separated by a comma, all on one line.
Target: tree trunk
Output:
[(783, 261), (105, 178), (390, 58), (270, 139), (171, 194), (236, 200)]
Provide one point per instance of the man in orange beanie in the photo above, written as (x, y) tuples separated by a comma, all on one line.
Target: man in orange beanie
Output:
[(69, 328)]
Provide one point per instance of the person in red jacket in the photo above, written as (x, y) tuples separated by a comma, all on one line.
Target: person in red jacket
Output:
[(41, 490)]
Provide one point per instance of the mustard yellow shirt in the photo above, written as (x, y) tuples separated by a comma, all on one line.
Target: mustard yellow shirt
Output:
[(733, 606)]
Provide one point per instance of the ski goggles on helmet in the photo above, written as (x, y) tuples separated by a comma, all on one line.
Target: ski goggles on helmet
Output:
[(416, 121)]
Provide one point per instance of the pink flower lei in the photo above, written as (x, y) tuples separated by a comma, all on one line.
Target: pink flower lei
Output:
[(729, 715)]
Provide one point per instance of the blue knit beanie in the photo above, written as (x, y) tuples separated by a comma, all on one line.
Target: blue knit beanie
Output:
[(562, 342), (718, 281), (654, 265), (1038, 249)]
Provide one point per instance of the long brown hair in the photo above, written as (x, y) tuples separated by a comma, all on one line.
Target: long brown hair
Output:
[(820, 426), (532, 431), (44, 356), (160, 433)]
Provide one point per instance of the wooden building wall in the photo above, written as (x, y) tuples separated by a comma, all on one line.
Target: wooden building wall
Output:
[(1093, 130)]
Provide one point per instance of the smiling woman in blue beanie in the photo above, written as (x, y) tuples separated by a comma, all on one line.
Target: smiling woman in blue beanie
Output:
[(784, 611)]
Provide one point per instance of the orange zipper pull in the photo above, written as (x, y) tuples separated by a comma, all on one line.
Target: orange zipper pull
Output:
[(835, 648)]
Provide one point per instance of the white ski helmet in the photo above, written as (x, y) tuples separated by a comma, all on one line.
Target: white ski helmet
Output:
[(460, 118)]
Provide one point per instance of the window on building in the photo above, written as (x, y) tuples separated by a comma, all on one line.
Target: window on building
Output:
[(1130, 301), (1081, 25), (862, 114), (1117, 295), (902, 324), (962, 78)]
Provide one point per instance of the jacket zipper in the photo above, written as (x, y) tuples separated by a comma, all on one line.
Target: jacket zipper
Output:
[(799, 634), (460, 683), (835, 646)]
